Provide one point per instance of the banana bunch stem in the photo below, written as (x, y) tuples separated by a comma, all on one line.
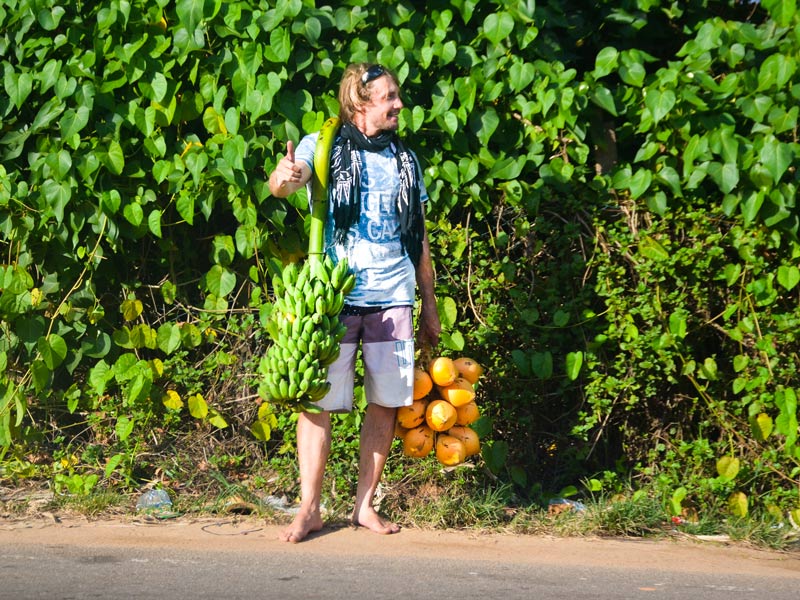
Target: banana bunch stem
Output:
[(304, 324)]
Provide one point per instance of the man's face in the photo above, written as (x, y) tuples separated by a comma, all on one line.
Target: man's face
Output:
[(380, 113)]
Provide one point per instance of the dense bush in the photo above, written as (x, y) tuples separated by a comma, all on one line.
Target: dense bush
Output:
[(612, 212)]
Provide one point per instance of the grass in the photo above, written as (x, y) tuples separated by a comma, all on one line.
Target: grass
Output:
[(419, 494)]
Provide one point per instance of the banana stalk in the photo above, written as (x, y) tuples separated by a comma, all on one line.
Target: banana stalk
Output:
[(304, 324)]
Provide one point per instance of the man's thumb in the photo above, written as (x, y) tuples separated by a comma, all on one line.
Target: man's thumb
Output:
[(290, 150)]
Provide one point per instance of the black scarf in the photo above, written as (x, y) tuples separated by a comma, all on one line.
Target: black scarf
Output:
[(345, 188)]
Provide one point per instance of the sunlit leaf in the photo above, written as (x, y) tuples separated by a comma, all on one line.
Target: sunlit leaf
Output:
[(197, 406), (761, 426), (728, 467), (738, 504), (131, 308), (172, 400), (574, 362)]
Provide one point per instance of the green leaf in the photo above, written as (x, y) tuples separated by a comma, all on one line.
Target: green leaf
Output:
[(728, 467), (708, 370), (633, 74), (73, 121), (154, 222), (786, 422), (542, 364), (603, 97), (751, 205), (788, 276), (131, 308), (261, 431), (96, 344), (115, 159), (761, 426), (113, 463), (737, 504), (41, 374), (776, 157), (522, 362), (185, 206), (521, 75), (143, 336), (605, 62), (223, 250), (168, 337), (507, 168), (659, 103), (488, 122), (197, 406), (495, 455), (220, 281), (448, 311), (560, 318), (216, 419), (279, 49), (574, 362), (676, 501), (172, 400), (453, 340), (133, 213), (190, 335), (57, 195), (640, 182), (124, 428), (497, 26), (782, 11), (651, 248), (53, 350), (99, 376), (190, 13), (677, 324), (17, 86)]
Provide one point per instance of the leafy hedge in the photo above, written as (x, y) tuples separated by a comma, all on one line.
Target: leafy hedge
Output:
[(613, 218)]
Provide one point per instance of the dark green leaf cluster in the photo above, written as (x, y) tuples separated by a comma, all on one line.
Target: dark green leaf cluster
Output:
[(613, 217)]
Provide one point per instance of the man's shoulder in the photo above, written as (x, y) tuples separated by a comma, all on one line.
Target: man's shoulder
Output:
[(305, 149)]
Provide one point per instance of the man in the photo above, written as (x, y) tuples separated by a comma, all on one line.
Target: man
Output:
[(376, 221)]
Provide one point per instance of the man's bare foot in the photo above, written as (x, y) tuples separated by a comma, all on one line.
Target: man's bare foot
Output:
[(304, 522), (370, 519)]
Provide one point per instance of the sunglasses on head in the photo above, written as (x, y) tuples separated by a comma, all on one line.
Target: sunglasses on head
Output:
[(372, 74)]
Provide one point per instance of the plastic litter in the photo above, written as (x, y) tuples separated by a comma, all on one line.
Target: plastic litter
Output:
[(559, 505), (154, 501)]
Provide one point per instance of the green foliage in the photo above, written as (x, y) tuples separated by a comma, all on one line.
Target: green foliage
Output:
[(613, 222)]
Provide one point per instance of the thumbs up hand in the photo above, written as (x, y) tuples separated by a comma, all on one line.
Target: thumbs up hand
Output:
[(288, 175)]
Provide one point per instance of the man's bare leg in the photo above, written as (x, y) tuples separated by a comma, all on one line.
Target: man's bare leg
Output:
[(377, 432), (313, 447)]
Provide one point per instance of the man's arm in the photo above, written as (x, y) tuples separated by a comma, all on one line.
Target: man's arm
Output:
[(288, 176), (429, 327)]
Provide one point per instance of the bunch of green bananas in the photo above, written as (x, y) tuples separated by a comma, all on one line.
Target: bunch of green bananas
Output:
[(305, 328)]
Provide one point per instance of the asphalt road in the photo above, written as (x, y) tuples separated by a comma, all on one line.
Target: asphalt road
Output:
[(203, 561)]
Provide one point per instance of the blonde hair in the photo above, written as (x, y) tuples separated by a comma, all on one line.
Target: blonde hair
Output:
[(353, 94)]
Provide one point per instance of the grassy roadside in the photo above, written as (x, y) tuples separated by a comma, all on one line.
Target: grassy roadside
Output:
[(425, 499)]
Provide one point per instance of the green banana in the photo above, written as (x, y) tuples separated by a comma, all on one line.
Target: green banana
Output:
[(348, 283), (290, 273)]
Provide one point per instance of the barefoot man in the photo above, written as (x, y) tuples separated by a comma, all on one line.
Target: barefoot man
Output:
[(376, 221)]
